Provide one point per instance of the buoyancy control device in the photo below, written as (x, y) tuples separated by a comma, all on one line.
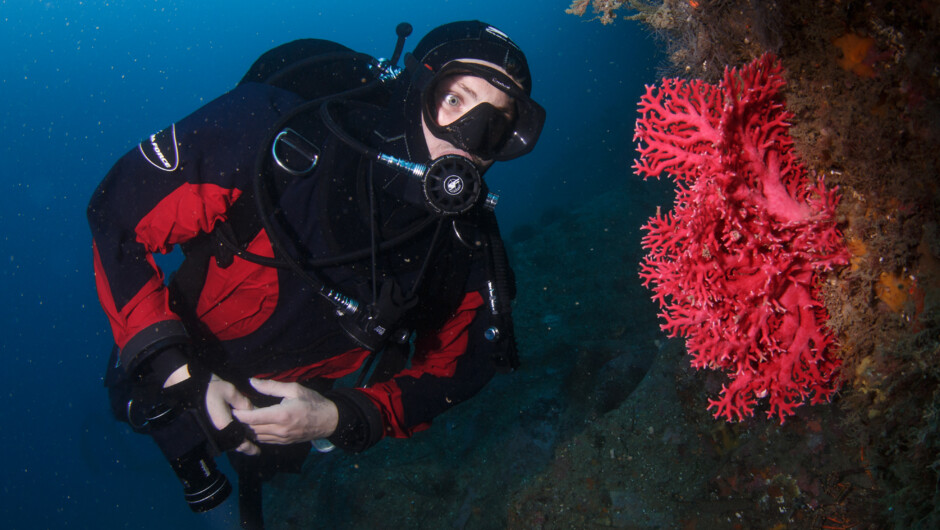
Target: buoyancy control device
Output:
[(328, 75), (324, 74)]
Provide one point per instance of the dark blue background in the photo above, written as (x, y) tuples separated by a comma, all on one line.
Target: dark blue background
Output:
[(83, 82)]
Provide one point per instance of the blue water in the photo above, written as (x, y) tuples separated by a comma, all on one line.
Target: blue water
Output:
[(82, 82)]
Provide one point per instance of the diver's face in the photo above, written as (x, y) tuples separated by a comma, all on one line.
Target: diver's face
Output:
[(454, 97), (458, 94)]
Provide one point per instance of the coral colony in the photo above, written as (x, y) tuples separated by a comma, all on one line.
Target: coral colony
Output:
[(734, 265)]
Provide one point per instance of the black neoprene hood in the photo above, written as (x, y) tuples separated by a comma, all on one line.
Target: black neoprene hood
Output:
[(472, 39)]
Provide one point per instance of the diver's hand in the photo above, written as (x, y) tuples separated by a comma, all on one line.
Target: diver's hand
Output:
[(221, 398), (301, 416)]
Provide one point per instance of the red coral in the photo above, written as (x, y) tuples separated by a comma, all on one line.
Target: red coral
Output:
[(734, 265)]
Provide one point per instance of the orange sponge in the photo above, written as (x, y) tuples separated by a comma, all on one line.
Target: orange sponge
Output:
[(855, 51), (893, 290)]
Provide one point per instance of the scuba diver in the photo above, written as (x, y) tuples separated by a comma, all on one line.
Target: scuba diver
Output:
[(344, 278)]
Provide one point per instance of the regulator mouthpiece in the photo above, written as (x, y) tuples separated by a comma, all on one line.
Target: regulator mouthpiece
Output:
[(451, 185)]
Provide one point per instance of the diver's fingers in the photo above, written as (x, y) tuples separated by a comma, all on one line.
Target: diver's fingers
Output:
[(248, 448)]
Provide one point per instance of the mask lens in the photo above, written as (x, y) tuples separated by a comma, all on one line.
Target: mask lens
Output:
[(485, 130)]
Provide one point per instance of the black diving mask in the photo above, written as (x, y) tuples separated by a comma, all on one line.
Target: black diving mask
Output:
[(485, 130)]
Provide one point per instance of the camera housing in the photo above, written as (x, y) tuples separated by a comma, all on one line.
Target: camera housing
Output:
[(182, 438)]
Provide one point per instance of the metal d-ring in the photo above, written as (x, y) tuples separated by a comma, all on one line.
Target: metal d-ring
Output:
[(300, 145)]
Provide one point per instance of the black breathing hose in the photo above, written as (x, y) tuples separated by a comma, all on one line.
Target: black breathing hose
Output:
[(264, 206)]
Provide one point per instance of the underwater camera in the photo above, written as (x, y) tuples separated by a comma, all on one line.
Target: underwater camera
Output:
[(182, 438), (204, 486)]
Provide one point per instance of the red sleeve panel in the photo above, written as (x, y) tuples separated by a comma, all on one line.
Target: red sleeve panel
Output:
[(175, 185), (187, 211), (148, 307), (445, 370)]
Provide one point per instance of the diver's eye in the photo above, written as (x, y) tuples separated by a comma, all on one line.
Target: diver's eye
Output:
[(451, 100)]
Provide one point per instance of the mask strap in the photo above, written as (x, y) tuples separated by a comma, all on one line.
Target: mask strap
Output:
[(421, 74)]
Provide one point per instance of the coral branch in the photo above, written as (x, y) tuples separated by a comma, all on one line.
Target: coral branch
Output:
[(734, 265)]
